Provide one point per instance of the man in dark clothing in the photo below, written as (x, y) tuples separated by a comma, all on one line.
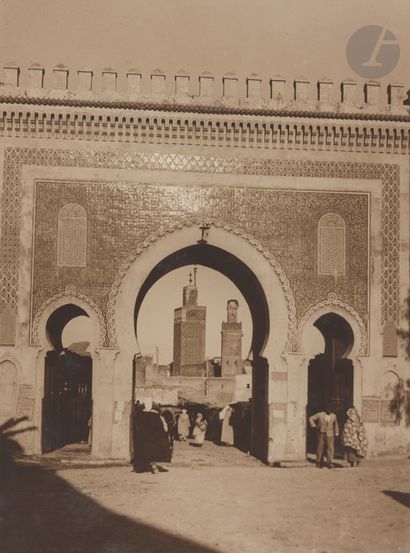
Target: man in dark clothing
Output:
[(169, 419), (151, 442)]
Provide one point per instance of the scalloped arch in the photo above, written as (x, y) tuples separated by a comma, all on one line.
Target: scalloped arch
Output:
[(331, 301), (69, 293), (186, 223)]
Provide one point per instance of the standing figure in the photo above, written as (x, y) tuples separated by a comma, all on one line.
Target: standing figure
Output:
[(199, 430), (137, 458), (326, 424), (151, 442), (354, 438), (227, 428), (90, 430), (170, 421), (183, 425)]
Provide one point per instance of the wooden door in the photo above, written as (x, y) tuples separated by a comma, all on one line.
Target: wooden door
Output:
[(67, 400), (259, 436), (330, 381), (51, 405)]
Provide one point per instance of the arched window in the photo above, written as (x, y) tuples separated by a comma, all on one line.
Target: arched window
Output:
[(72, 236), (331, 245), (8, 390)]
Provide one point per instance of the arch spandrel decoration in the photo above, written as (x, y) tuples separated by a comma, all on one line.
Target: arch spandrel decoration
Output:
[(71, 294), (331, 302), (72, 236), (331, 245), (190, 222)]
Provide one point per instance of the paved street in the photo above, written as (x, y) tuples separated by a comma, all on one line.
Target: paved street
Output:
[(213, 500)]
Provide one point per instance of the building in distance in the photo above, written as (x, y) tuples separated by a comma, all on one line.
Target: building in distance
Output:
[(189, 333)]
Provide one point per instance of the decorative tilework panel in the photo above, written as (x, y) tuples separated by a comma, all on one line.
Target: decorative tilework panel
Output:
[(121, 215), (17, 157)]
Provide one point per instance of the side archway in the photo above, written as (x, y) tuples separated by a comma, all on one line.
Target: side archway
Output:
[(66, 376), (333, 373)]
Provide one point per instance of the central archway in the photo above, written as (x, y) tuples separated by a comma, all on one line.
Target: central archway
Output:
[(229, 265), (251, 269)]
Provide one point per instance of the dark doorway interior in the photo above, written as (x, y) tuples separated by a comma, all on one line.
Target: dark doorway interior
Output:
[(330, 375), (67, 402)]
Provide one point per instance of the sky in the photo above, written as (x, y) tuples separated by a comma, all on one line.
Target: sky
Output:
[(269, 37), (155, 323)]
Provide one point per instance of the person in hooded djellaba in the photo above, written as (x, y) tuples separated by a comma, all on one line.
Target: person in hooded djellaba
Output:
[(354, 438)]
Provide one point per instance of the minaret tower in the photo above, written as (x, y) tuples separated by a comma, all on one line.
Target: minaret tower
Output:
[(189, 333), (231, 347)]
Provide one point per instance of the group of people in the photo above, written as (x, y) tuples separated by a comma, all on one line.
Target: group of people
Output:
[(153, 433), (154, 430), (353, 436), (184, 427)]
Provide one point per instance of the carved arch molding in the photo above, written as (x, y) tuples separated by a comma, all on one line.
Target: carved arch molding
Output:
[(71, 294), (186, 223), (15, 158)]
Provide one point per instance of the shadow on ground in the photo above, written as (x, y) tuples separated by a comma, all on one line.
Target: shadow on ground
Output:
[(401, 497), (40, 512)]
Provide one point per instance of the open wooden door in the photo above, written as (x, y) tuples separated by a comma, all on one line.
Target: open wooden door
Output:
[(50, 415), (330, 381), (260, 381), (67, 402)]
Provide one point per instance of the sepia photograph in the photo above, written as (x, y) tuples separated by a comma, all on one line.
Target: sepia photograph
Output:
[(204, 276)]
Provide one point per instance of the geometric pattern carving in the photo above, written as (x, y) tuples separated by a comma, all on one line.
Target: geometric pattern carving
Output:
[(69, 293), (72, 236), (391, 244), (161, 206), (190, 222), (331, 245), (15, 158)]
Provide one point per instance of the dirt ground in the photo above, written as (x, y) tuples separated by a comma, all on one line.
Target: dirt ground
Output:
[(210, 500)]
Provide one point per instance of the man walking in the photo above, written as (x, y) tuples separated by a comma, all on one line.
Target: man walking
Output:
[(326, 424)]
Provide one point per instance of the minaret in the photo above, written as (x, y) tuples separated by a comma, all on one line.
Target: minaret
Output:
[(189, 333), (231, 347)]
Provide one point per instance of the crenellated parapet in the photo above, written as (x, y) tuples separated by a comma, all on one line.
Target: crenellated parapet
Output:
[(86, 87), (201, 111)]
